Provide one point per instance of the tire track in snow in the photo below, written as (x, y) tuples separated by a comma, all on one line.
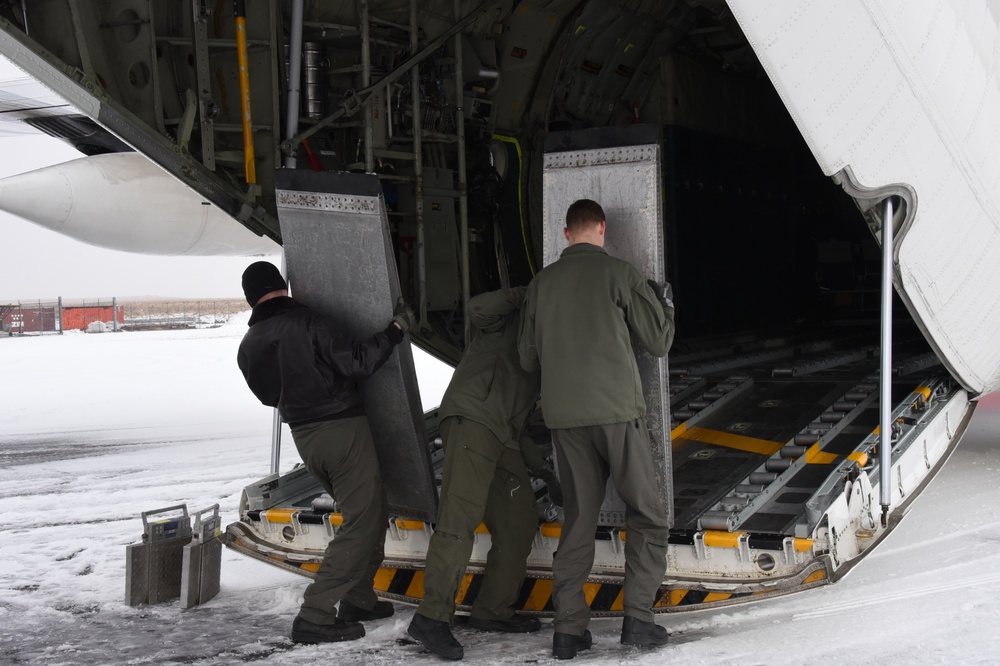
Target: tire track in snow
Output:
[(896, 596)]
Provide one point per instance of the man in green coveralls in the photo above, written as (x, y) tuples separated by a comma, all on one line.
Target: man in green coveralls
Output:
[(576, 321), (485, 479)]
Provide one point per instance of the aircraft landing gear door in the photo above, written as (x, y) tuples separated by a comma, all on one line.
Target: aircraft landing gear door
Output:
[(619, 168), (340, 262)]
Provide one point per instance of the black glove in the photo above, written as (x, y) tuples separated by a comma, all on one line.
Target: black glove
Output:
[(664, 292), (552, 484), (403, 315)]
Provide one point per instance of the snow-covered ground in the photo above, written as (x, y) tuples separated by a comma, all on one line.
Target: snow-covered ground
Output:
[(98, 428)]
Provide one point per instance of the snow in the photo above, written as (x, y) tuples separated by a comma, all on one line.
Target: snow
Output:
[(98, 428)]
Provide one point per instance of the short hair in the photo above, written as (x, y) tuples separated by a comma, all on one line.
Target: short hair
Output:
[(584, 213)]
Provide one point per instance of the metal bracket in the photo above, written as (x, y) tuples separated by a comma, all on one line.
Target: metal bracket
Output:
[(207, 109)]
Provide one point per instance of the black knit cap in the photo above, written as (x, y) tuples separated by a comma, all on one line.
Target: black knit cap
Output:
[(260, 278)]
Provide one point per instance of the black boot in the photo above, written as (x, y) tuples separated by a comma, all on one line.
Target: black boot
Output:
[(640, 632), (565, 646), (351, 613), (304, 631), (515, 624), (436, 636)]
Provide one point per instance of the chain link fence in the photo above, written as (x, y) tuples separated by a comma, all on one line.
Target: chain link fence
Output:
[(42, 317), (157, 315)]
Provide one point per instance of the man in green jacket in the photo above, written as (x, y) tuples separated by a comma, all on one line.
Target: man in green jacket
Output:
[(485, 479), (576, 321)]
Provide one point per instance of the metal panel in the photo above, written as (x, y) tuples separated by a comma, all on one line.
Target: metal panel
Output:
[(897, 97), (201, 569), (153, 567), (444, 281), (340, 262), (620, 169)]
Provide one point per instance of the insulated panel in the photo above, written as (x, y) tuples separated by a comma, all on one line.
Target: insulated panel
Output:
[(620, 169), (899, 97), (340, 262)]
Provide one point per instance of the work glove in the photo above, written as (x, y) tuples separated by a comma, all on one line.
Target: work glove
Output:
[(552, 484), (540, 468), (664, 292), (403, 315)]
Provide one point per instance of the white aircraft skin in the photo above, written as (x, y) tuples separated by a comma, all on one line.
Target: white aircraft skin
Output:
[(23, 97), (122, 201), (117, 201)]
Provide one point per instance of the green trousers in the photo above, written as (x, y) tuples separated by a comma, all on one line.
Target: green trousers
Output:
[(483, 481), (340, 455), (586, 455)]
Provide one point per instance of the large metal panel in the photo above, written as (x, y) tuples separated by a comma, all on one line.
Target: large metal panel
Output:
[(340, 262), (620, 169), (901, 98), (153, 567), (201, 568)]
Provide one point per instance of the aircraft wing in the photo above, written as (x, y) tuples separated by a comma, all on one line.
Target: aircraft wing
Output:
[(22, 98), (901, 98), (105, 198)]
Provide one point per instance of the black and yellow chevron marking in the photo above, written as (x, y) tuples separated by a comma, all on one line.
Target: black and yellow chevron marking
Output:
[(536, 593)]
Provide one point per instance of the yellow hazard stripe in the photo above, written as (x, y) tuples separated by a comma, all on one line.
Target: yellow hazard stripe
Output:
[(413, 525), (671, 598), (814, 576), (678, 431), (482, 529), (416, 587), (541, 589), (383, 577), (540, 594), (590, 591), (463, 588), (816, 457), (764, 447)]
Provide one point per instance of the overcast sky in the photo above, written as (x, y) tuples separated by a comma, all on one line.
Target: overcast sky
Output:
[(37, 263)]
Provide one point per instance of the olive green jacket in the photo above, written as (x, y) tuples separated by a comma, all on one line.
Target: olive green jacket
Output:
[(489, 385), (575, 326)]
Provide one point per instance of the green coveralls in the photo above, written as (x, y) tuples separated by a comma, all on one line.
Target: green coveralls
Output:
[(485, 478), (575, 325), (340, 455)]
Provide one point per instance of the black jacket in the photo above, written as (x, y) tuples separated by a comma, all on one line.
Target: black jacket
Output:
[(294, 359)]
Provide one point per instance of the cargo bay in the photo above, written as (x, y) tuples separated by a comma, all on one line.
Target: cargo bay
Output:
[(771, 429)]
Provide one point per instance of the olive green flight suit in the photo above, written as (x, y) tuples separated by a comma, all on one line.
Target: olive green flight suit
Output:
[(485, 479), (576, 324), (340, 455)]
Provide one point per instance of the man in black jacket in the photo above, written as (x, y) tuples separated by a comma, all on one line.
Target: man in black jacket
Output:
[(295, 359)]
